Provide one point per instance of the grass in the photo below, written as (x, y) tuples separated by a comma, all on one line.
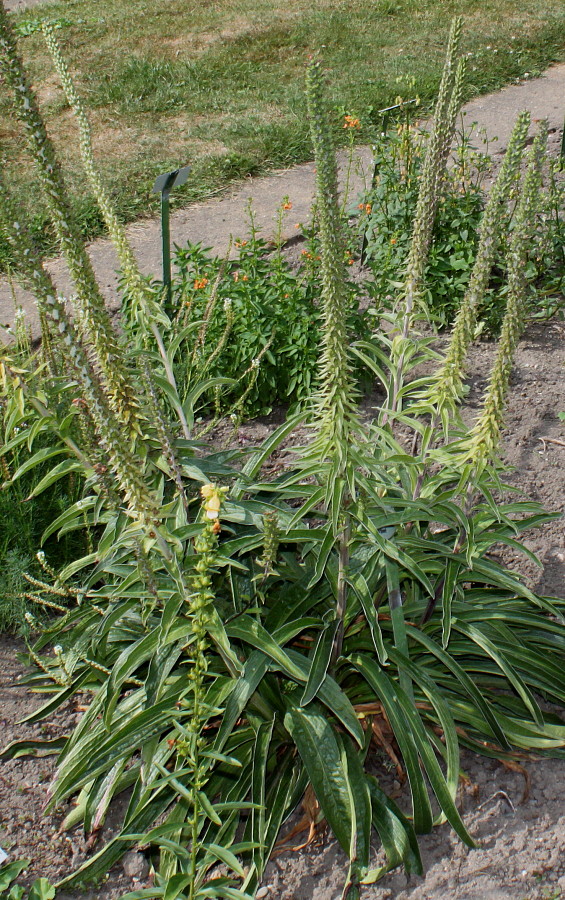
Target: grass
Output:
[(220, 85)]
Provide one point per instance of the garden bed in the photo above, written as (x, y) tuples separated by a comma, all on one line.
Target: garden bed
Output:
[(522, 853)]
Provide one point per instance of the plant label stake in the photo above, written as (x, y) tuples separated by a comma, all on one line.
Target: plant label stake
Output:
[(164, 185)]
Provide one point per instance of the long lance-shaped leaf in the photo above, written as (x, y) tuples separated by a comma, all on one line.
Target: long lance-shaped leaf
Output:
[(297, 667), (396, 833), (320, 753), (464, 679), (387, 693), (440, 706), (259, 782), (320, 661), (360, 801), (476, 634)]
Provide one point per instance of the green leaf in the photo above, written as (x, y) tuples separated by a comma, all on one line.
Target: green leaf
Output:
[(32, 748), (388, 693), (397, 618), (449, 586), (320, 753), (176, 885), (64, 468), (10, 871), (360, 802), (208, 808), (320, 661), (37, 458), (359, 584), (41, 890), (466, 682), (515, 680), (226, 856), (255, 462), (334, 698), (258, 791), (253, 672), (324, 551), (396, 833)]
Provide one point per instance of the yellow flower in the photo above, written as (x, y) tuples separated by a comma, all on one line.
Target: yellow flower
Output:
[(213, 495)]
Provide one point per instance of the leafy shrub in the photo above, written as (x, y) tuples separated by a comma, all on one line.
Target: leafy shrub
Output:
[(275, 322)]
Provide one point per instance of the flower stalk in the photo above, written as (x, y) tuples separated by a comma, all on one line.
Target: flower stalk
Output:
[(335, 407), (94, 317), (126, 465), (485, 436), (448, 388)]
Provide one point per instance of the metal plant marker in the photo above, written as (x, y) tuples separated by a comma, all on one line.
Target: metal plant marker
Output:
[(164, 185)]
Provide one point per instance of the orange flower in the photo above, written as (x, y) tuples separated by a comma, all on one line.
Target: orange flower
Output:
[(200, 283), (241, 243), (287, 205), (393, 240), (351, 122)]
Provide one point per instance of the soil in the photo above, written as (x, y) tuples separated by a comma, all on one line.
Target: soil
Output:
[(521, 853)]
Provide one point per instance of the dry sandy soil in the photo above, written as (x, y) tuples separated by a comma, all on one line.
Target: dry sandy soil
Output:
[(522, 840)]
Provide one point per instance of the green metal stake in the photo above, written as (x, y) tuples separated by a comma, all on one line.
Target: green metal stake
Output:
[(164, 185)]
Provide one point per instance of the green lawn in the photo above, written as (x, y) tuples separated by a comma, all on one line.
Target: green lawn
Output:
[(220, 84)]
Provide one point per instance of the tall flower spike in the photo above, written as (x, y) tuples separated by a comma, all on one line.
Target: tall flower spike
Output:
[(485, 436), (443, 127), (126, 467), (449, 384), (98, 329), (136, 286), (432, 178), (335, 404)]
